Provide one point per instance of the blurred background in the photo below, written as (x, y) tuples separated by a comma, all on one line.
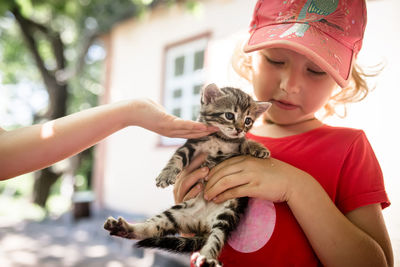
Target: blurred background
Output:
[(59, 57)]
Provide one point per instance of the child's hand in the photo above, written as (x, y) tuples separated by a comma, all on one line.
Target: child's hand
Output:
[(187, 183), (153, 117), (248, 176)]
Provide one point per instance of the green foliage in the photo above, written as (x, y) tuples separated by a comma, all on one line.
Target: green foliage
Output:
[(74, 22), (15, 62)]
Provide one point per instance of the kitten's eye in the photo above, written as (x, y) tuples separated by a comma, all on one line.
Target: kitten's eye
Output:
[(248, 121), (229, 116)]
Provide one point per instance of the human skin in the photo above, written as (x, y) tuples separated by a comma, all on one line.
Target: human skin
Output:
[(38, 146)]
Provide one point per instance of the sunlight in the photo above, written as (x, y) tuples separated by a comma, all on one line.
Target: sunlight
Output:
[(23, 257), (114, 264), (96, 251), (47, 130)]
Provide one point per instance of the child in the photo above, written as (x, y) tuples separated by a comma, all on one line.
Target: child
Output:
[(318, 199), (38, 146)]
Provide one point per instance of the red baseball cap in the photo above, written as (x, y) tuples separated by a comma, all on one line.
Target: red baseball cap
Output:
[(328, 32)]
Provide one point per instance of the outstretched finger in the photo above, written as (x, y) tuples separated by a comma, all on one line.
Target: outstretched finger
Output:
[(190, 129)]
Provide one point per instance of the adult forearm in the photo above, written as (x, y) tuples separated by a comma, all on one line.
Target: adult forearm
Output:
[(334, 238), (38, 146)]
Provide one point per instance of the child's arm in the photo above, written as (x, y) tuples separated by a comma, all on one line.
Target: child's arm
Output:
[(38, 146), (358, 239)]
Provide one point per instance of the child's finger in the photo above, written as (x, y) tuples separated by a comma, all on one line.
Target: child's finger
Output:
[(227, 182), (215, 171), (193, 192), (236, 192), (191, 179), (195, 164)]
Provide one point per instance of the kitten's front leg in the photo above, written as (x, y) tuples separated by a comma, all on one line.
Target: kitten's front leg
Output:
[(175, 165), (255, 149)]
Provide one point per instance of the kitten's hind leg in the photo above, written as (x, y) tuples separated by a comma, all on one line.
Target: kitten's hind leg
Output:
[(199, 260), (224, 223), (159, 225), (119, 227)]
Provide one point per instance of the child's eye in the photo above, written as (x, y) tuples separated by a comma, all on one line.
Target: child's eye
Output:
[(316, 72), (274, 62), (229, 116)]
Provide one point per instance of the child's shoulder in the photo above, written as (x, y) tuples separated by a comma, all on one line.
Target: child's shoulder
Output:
[(342, 134), (341, 131), (345, 131)]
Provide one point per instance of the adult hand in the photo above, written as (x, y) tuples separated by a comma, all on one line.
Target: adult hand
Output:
[(152, 116), (187, 183)]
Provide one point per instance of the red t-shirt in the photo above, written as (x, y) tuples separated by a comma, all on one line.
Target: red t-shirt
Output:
[(341, 160)]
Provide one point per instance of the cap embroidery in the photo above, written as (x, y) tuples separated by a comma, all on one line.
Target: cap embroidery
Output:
[(306, 17)]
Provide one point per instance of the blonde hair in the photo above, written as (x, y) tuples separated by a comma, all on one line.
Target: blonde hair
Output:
[(356, 91)]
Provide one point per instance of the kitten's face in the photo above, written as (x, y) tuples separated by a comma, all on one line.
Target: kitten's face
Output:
[(231, 110)]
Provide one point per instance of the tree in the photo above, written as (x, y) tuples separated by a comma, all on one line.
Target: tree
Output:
[(57, 36), (51, 48)]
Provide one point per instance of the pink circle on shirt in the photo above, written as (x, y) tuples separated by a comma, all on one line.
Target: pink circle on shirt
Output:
[(256, 226)]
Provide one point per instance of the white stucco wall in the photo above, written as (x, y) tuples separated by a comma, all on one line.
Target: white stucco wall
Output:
[(133, 159)]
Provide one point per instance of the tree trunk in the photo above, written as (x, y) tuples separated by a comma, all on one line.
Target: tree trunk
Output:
[(58, 92), (44, 179)]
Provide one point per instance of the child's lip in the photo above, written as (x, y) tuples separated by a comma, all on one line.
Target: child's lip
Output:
[(284, 104)]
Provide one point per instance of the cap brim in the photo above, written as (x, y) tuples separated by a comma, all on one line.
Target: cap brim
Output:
[(330, 55)]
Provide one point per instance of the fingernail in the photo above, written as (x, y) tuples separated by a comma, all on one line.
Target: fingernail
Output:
[(206, 197)]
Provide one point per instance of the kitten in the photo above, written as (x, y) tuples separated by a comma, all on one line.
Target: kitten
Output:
[(233, 112)]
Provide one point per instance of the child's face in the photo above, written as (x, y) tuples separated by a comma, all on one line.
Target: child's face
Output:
[(296, 86)]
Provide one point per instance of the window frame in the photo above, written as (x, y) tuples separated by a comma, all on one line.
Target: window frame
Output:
[(186, 83)]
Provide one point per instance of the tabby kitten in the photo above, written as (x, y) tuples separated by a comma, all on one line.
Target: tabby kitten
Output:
[(233, 112)]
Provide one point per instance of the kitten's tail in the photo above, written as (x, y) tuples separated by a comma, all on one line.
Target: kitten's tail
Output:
[(174, 243)]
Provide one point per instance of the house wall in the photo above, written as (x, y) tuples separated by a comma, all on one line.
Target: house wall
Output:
[(133, 158)]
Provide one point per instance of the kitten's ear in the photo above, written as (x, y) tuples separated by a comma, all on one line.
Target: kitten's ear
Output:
[(262, 107), (210, 92)]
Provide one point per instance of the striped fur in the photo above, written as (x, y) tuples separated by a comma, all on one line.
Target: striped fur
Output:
[(233, 112)]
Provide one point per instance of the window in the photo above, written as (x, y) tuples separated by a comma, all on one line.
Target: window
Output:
[(184, 78)]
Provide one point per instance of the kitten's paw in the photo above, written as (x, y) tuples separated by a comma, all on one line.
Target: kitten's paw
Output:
[(257, 150), (166, 178), (198, 260), (119, 227), (261, 153)]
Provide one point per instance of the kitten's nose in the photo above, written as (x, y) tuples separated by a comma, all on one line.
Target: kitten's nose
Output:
[(238, 130)]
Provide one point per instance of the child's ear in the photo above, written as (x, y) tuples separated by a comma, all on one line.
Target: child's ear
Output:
[(209, 93), (262, 107)]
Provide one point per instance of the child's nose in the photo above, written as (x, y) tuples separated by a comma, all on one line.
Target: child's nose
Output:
[(291, 81)]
